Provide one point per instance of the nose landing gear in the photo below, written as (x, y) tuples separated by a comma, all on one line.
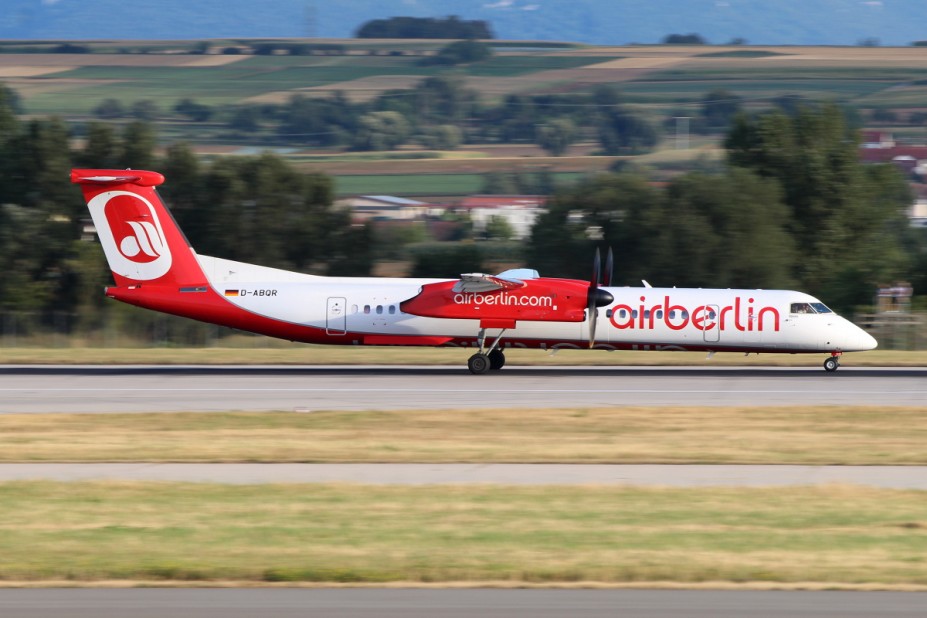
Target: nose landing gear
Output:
[(832, 363)]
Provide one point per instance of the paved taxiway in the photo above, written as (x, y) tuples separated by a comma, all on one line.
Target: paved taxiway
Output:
[(37, 389), (893, 477), (490, 603)]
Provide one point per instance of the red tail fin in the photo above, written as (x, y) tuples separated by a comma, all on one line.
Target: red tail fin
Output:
[(139, 236)]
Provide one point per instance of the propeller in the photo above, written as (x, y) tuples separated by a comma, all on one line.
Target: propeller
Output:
[(609, 267), (598, 297)]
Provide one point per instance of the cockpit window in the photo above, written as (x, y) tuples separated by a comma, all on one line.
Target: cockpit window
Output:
[(802, 308), (821, 308)]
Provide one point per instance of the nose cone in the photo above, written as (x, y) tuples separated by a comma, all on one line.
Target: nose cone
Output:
[(867, 341)]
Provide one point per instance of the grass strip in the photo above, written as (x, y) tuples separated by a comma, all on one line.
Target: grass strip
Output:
[(746, 435), (301, 354), (368, 534)]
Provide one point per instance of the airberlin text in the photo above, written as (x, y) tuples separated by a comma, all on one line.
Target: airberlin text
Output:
[(743, 316), (503, 299)]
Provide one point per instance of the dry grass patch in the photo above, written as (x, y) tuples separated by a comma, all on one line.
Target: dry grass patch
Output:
[(332, 533), (771, 435)]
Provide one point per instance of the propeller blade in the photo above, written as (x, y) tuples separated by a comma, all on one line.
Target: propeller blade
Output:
[(609, 267), (596, 297), (593, 318)]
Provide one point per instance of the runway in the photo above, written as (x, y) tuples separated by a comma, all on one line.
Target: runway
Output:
[(42, 389), (892, 477), (488, 603)]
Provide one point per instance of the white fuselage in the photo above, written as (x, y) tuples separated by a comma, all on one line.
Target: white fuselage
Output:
[(352, 310)]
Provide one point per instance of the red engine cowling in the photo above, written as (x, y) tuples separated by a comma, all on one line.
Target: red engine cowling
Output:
[(551, 300)]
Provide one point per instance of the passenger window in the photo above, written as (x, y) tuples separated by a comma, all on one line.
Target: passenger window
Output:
[(711, 315), (647, 314), (353, 308), (623, 313), (608, 313), (379, 309), (366, 308), (672, 314), (634, 313), (659, 314), (392, 309)]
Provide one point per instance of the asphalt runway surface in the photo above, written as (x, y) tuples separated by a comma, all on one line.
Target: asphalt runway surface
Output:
[(891, 477), (464, 603), (37, 389)]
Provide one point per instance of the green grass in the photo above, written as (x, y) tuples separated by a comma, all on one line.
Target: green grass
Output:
[(509, 66), (423, 184), (812, 435), (356, 534)]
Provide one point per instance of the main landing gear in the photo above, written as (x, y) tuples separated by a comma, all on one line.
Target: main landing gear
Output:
[(832, 363), (491, 360)]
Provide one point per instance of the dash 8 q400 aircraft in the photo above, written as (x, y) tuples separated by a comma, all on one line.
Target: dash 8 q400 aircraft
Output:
[(155, 267)]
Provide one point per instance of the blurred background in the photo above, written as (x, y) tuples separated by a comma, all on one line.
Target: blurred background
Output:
[(395, 140)]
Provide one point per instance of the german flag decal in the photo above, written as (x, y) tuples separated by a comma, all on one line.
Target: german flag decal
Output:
[(231, 292)]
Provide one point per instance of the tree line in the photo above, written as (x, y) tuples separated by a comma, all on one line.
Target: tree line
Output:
[(791, 208), (254, 209)]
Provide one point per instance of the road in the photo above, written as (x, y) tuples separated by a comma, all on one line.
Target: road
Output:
[(37, 389), (465, 603), (893, 477)]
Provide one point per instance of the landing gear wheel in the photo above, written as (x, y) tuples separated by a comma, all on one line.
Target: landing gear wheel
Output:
[(496, 360), (831, 364), (479, 364)]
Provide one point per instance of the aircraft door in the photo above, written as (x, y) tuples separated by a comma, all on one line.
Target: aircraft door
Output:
[(336, 316), (710, 323)]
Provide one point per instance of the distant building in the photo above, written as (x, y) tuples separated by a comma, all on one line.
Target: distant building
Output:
[(519, 211), (918, 212), (385, 207)]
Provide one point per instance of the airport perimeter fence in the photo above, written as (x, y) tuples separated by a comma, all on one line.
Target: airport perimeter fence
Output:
[(124, 326), (121, 327)]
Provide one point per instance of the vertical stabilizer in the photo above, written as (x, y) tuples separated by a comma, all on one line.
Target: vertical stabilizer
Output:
[(142, 242)]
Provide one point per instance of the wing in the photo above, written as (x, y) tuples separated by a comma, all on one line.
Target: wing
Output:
[(482, 283)]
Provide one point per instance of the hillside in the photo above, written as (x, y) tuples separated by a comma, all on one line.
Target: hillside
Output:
[(782, 22)]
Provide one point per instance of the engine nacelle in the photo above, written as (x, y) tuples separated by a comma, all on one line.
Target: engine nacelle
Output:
[(548, 300)]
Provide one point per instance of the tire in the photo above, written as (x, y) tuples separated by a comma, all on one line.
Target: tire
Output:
[(831, 364), (478, 364), (496, 360)]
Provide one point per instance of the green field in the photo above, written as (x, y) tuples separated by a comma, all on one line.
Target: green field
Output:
[(423, 184), (835, 536)]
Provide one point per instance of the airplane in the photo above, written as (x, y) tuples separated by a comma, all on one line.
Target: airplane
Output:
[(154, 267)]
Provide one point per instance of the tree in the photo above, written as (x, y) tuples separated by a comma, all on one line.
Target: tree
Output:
[(381, 131), (441, 137), (109, 109), (843, 216), (424, 28), (197, 112), (138, 144), (618, 208), (684, 39), (460, 52), (556, 136), (719, 108), (101, 148), (622, 132), (144, 110)]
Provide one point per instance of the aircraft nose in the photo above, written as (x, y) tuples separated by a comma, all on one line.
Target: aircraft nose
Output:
[(866, 341)]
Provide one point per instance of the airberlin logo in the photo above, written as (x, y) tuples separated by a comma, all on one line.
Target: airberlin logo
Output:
[(740, 315), (131, 234), (143, 244), (503, 299)]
